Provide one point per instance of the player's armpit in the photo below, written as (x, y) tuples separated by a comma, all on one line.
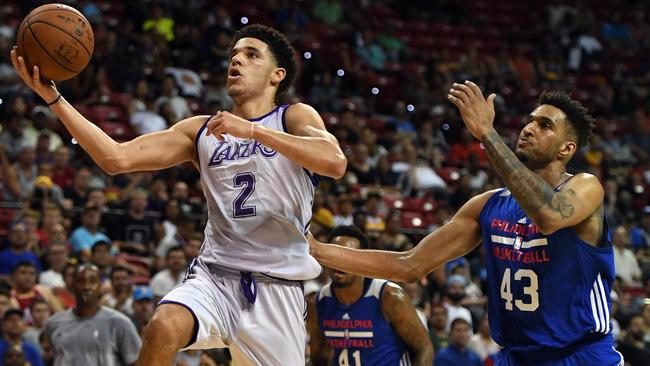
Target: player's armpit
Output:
[(573, 204), (307, 142), (397, 309)]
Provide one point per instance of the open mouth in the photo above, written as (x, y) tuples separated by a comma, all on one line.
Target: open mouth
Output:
[(234, 73)]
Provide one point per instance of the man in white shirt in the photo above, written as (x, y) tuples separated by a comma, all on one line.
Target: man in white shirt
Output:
[(57, 255), (165, 280), (627, 266), (455, 294)]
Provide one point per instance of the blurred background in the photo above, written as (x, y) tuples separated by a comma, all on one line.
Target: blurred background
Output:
[(378, 73)]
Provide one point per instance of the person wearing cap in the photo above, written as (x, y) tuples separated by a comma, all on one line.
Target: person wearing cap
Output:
[(142, 307), (92, 334), (85, 236), (13, 324), (455, 294)]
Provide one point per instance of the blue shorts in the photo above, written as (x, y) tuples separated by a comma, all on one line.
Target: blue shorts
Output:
[(600, 353)]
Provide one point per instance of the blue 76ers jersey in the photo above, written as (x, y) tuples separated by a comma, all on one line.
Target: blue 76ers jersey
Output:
[(547, 293), (359, 333)]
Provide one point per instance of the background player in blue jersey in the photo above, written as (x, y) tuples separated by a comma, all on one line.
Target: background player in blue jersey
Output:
[(258, 165), (358, 321), (549, 255)]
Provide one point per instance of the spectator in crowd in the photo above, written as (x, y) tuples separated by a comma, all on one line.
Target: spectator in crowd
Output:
[(375, 224), (633, 346), (120, 296), (438, 327), (84, 237), (78, 191), (13, 325), (65, 295), (173, 274), (143, 300), (454, 297), (62, 171), (18, 250), (40, 312), (627, 266), (457, 353), (56, 256), (184, 229), (177, 103), (482, 343), (101, 257), (133, 232), (392, 238), (344, 211), (14, 356), (26, 290), (92, 334)]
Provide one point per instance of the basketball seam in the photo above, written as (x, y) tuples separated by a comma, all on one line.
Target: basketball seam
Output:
[(77, 12), (47, 53), (64, 31)]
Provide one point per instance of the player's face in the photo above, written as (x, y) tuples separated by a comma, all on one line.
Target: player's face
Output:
[(342, 279), (252, 68), (543, 136), (86, 286)]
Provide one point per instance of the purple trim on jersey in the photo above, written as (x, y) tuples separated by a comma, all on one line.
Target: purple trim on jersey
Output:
[(196, 140), (313, 177), (248, 286), (195, 331), (284, 119), (264, 116)]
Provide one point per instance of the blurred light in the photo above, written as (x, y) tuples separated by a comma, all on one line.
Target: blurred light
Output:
[(638, 189), (454, 176), (307, 55), (0, 100), (482, 146), (398, 204), (445, 126), (410, 108), (244, 20), (340, 72), (374, 91), (428, 206), (417, 221), (74, 141)]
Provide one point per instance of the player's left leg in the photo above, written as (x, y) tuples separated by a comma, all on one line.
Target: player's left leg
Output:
[(272, 331), (601, 353)]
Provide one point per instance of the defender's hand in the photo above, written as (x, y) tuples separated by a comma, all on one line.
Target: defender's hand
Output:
[(227, 123), (46, 90), (477, 113)]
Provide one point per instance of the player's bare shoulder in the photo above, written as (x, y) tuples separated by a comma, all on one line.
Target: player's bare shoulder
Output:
[(299, 117)]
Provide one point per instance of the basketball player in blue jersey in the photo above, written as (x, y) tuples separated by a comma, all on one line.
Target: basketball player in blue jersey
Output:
[(359, 321), (258, 166), (549, 261)]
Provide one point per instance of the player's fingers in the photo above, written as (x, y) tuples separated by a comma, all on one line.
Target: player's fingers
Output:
[(457, 102), (212, 124), (14, 59), (218, 133), (465, 89), (490, 100), (475, 89), (36, 78), (460, 94)]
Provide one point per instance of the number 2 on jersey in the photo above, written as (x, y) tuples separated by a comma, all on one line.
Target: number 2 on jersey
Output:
[(344, 361), (530, 290), (246, 180)]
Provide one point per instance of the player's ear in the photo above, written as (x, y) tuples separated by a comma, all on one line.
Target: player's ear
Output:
[(278, 75), (568, 149)]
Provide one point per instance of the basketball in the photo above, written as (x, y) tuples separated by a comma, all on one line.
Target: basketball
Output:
[(58, 39)]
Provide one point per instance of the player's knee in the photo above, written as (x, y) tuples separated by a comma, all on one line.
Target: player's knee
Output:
[(170, 326)]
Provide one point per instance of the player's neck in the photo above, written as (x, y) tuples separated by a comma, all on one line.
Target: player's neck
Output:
[(253, 108), (350, 294), (553, 174), (86, 310)]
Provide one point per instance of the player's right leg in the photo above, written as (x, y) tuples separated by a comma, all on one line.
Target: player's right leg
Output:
[(170, 329)]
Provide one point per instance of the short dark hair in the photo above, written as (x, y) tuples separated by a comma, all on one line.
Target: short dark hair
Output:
[(23, 264), (100, 243), (352, 232), (458, 321), (577, 115), (176, 248), (36, 301), (279, 46), (116, 269)]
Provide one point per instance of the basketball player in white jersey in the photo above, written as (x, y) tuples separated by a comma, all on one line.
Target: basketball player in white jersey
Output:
[(258, 166)]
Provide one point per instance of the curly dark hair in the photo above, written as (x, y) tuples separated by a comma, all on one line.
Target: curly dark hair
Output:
[(280, 47), (352, 232), (577, 115)]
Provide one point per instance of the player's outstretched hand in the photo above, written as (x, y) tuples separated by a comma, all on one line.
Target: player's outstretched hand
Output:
[(46, 90), (477, 113), (227, 123), (313, 244)]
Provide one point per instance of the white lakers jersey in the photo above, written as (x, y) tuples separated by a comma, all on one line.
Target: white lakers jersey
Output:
[(259, 205)]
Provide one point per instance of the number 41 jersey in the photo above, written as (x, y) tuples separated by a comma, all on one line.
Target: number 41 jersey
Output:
[(259, 205), (547, 293)]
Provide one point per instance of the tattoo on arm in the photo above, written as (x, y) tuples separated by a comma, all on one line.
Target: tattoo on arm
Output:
[(531, 191)]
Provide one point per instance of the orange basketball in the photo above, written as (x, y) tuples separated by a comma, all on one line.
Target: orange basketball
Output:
[(58, 39)]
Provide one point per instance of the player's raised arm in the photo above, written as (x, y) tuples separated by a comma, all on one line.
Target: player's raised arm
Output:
[(149, 152), (550, 210), (456, 238), (307, 142), (399, 311)]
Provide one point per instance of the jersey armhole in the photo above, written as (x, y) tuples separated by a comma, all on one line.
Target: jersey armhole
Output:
[(196, 141), (489, 202)]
